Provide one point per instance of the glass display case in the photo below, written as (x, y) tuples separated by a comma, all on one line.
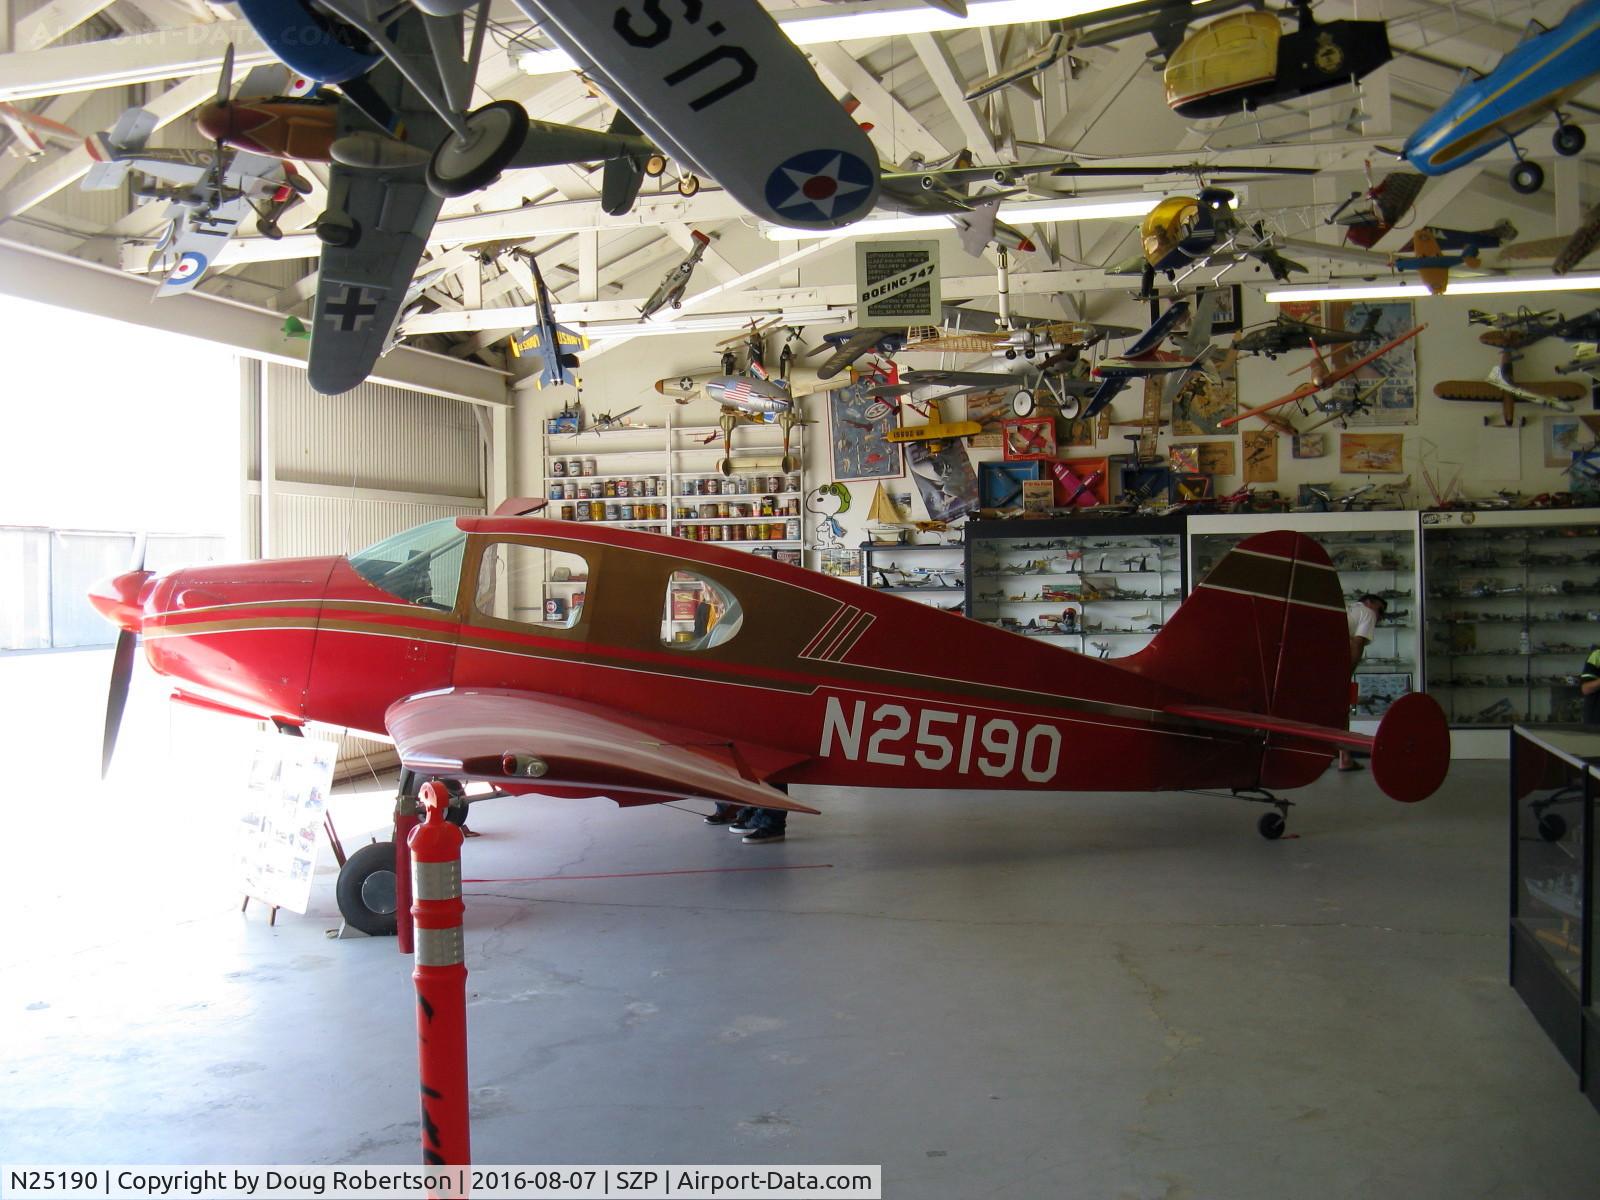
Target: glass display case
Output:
[(933, 574), (1553, 784), (1096, 585), (1376, 553), (1509, 597)]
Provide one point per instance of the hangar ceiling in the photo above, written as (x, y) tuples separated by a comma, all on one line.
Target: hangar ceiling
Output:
[(81, 62)]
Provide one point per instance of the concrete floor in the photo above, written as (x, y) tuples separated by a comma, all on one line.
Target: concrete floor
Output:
[(1094, 995)]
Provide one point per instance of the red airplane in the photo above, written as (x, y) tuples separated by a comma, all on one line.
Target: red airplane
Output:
[(434, 639), (1323, 376)]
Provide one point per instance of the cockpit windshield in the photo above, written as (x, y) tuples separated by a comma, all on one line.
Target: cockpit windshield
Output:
[(420, 566)]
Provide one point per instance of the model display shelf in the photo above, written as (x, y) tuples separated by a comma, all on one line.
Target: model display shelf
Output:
[(929, 566), (1091, 585), (1511, 611)]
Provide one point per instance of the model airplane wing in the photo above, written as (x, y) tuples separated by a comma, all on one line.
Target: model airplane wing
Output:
[(852, 348), (1104, 395), (1153, 337), (199, 238), (361, 286), (722, 89), (1555, 393), (578, 748), (958, 378)]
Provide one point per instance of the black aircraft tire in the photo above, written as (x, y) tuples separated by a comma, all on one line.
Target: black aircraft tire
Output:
[(498, 129), (1527, 177), (366, 890), (1552, 827), (1271, 826), (1568, 140)]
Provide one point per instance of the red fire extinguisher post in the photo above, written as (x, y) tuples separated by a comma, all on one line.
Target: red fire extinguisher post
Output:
[(440, 974)]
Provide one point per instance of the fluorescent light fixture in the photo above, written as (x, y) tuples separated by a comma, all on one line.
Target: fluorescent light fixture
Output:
[(811, 26), (1084, 208), (1497, 286)]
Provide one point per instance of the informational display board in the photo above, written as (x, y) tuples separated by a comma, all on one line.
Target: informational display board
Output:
[(897, 284), (281, 826)]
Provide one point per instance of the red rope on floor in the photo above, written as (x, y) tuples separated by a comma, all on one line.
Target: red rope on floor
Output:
[(646, 874)]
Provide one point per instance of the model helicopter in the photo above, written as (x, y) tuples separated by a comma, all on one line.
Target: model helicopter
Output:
[(1284, 333)]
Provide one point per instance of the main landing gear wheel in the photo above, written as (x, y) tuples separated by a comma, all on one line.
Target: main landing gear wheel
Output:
[(1568, 140), (1272, 825), (268, 229), (1552, 827), (1022, 402), (337, 230), (1527, 177), (689, 185), (366, 890), (495, 133), (1071, 407), (655, 166)]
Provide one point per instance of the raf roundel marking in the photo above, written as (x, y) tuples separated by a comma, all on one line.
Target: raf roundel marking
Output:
[(819, 185), (189, 267)]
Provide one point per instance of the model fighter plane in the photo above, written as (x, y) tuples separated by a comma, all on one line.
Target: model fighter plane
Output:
[(804, 680), (1323, 376)]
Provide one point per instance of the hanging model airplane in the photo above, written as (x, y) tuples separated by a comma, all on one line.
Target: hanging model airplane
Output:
[(556, 345), (1500, 388), (1323, 376), (208, 192), (670, 289), (805, 679), (1184, 233), (32, 135), (1564, 253), (1284, 333), (1144, 357), (1530, 82), (1434, 250), (1368, 215), (1246, 60)]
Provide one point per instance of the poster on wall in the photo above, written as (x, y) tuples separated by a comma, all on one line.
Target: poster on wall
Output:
[(1371, 453), (1205, 400), (897, 284), (281, 823), (945, 478), (1310, 445), (1209, 458), (1260, 456), (858, 427), (1395, 400), (1563, 435), (987, 410)]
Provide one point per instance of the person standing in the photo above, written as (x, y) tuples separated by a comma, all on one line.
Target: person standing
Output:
[(1363, 617)]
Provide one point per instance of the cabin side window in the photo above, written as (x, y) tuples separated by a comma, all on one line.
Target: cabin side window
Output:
[(699, 612), (532, 585)]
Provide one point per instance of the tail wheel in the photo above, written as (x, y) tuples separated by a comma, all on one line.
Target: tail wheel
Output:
[(1271, 825), (689, 185), (1527, 177), (655, 166), (366, 891)]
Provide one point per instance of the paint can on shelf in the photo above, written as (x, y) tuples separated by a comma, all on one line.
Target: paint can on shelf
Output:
[(558, 467), (574, 466)]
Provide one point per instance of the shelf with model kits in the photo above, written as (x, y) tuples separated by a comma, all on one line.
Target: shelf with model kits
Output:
[(668, 479), (1510, 610), (1088, 585), (934, 573)]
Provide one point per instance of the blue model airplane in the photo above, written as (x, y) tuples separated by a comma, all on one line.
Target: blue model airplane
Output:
[(556, 345), (1528, 84)]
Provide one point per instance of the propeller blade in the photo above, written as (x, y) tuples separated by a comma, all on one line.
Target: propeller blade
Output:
[(121, 674), (225, 79), (117, 697)]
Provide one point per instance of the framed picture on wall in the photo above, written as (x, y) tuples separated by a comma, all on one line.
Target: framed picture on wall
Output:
[(1229, 314), (858, 429)]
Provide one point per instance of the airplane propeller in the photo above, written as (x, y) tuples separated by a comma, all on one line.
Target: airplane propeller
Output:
[(117, 599)]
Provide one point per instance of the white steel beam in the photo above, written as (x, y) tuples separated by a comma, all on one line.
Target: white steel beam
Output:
[(138, 58), (63, 282), (56, 19), (892, 121), (935, 57)]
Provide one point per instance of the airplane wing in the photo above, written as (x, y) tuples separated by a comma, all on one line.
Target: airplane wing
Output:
[(723, 90), (360, 287), (959, 378), (1554, 393), (1104, 394), (1152, 337), (584, 749), (1195, 343), (199, 238), (1261, 410), (853, 348)]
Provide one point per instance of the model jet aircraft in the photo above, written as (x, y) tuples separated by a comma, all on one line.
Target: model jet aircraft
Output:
[(1246, 60), (670, 290), (1284, 333), (1530, 82), (1323, 376), (556, 345), (209, 192), (805, 679)]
